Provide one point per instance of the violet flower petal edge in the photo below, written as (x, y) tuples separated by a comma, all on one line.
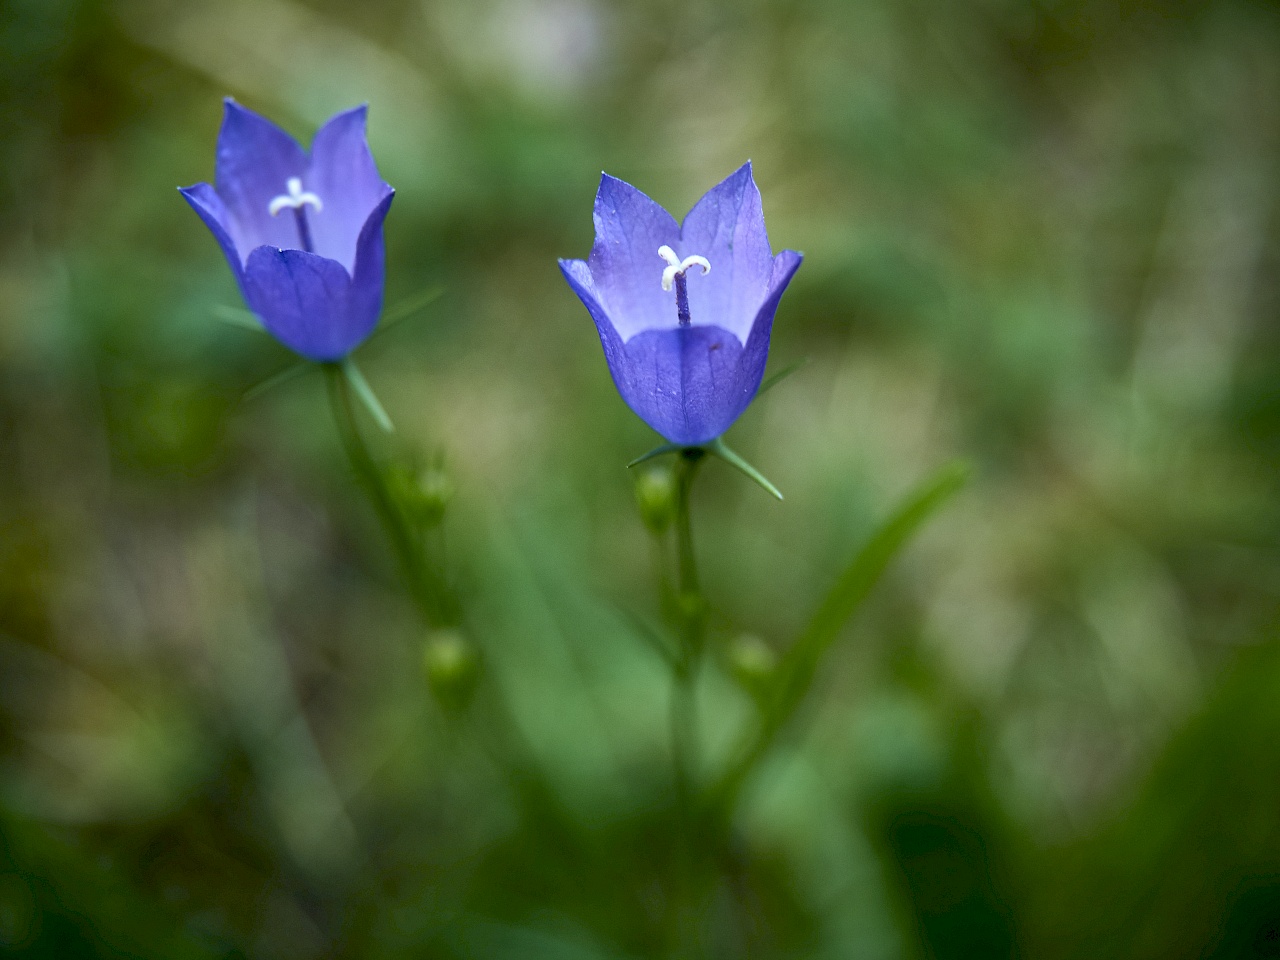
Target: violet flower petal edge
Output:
[(624, 262), (342, 171), (205, 201), (254, 161), (727, 227), (367, 282)]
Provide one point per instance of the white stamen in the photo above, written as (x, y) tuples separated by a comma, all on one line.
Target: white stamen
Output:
[(295, 199), (676, 266)]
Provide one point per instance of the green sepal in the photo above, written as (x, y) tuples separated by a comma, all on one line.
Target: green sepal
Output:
[(365, 392), (656, 452), (721, 450), (718, 447), (406, 309), (290, 372), (775, 379), (238, 317)]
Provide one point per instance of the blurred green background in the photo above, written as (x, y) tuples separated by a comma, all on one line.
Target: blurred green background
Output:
[(1040, 234)]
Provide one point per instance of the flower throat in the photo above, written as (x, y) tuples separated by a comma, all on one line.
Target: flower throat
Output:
[(675, 274), (296, 199)]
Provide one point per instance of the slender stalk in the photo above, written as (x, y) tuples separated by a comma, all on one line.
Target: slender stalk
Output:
[(421, 580), (690, 608), (497, 731), (690, 611)]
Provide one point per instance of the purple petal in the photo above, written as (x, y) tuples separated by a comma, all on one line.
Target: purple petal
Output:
[(345, 177), (688, 383), (624, 260), (578, 273), (370, 267), (684, 382), (727, 227), (254, 163), (306, 302), (756, 353), (206, 202)]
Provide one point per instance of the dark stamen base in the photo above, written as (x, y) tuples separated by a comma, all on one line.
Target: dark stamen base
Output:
[(304, 229), (682, 300)]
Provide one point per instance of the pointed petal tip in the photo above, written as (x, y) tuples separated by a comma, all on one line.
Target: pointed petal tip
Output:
[(610, 181), (743, 172), (231, 106), (360, 110), (578, 274), (201, 196), (785, 265)]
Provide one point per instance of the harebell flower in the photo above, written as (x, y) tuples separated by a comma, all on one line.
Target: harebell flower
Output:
[(684, 312), (301, 230)]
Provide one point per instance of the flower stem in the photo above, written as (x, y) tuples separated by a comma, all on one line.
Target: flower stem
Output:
[(690, 610), (423, 582), (498, 733), (691, 615)]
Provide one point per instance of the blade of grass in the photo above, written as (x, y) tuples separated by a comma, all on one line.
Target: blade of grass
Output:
[(799, 665)]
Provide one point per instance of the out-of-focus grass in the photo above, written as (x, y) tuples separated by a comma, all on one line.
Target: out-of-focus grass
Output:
[(1039, 236)]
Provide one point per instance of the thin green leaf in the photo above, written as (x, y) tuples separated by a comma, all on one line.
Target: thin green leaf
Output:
[(863, 572), (365, 392), (799, 665), (719, 448), (238, 317), (774, 379), (291, 372)]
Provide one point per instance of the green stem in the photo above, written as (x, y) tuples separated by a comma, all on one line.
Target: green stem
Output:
[(687, 570), (691, 614), (499, 733), (690, 606), (413, 566)]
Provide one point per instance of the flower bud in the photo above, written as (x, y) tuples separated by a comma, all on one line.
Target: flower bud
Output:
[(424, 494), (452, 668), (656, 497), (752, 662)]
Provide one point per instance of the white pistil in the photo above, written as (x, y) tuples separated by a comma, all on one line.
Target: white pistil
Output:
[(677, 267), (295, 199)]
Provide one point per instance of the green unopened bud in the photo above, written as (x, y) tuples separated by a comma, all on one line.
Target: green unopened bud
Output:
[(436, 490), (752, 662), (656, 497), (690, 606), (452, 668), (424, 494)]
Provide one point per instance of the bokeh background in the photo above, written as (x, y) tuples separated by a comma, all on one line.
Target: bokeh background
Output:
[(1040, 235)]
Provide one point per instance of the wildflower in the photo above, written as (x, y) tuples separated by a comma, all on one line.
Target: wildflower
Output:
[(684, 312), (301, 231)]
